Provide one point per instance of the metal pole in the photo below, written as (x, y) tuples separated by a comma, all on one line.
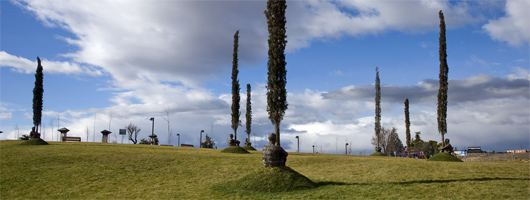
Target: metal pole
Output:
[(298, 141), (179, 139), (313, 148), (346, 148), (153, 131), (200, 139)]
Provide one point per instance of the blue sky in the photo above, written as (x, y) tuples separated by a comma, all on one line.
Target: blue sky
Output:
[(108, 64)]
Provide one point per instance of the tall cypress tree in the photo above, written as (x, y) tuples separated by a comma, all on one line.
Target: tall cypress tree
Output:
[(249, 113), (377, 109), (407, 125), (38, 92), (235, 88), (442, 92), (276, 81)]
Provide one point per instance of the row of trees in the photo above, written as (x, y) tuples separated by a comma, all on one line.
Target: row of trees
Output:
[(388, 141)]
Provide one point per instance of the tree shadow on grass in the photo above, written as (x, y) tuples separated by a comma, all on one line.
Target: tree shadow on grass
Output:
[(463, 180), (326, 183)]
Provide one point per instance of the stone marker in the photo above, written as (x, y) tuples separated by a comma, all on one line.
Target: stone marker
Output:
[(273, 156)]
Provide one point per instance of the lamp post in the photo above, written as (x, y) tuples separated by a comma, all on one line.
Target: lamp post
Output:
[(179, 139), (346, 148), (152, 130), (313, 148), (200, 139), (298, 141)]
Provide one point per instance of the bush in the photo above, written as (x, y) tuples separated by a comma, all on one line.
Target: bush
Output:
[(267, 179), (234, 149), (442, 156)]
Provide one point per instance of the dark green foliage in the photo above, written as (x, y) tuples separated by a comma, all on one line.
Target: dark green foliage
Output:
[(235, 88), (249, 113), (393, 143), (377, 110), (38, 92), (276, 81), (234, 149), (249, 148), (144, 141), (34, 141), (208, 142), (407, 123), (24, 137), (444, 70), (442, 156), (267, 179)]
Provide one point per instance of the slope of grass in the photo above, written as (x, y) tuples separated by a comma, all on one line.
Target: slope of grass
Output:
[(235, 149), (34, 141), (249, 148), (266, 179), (121, 171)]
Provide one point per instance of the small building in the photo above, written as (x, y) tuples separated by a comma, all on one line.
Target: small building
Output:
[(474, 150), (518, 151)]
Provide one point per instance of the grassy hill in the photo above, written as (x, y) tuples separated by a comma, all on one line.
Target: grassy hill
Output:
[(119, 171)]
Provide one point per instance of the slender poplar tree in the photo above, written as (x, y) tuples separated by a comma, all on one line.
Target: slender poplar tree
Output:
[(38, 92), (276, 81), (235, 88), (442, 92), (249, 113), (407, 125), (377, 109)]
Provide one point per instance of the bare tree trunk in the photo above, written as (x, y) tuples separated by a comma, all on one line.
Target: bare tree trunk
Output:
[(277, 131)]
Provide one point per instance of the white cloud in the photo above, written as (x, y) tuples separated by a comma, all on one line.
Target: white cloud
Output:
[(514, 28), (24, 65)]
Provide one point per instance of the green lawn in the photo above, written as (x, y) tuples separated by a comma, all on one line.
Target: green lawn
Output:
[(119, 171)]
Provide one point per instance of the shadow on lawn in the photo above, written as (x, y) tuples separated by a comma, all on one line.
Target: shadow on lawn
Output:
[(326, 183)]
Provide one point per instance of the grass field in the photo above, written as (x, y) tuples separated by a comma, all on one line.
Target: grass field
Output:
[(120, 171)]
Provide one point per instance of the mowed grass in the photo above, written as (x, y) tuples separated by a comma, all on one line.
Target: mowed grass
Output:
[(119, 171)]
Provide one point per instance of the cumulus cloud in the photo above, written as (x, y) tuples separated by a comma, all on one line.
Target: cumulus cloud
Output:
[(191, 41), (24, 65), (514, 27), (474, 88)]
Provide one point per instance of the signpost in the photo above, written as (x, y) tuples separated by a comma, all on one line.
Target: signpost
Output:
[(123, 132)]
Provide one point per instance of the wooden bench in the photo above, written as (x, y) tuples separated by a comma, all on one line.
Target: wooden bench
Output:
[(186, 145), (72, 139)]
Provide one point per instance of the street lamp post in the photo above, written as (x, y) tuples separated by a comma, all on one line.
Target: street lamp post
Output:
[(313, 148), (346, 148), (298, 141), (200, 139), (178, 135), (152, 130)]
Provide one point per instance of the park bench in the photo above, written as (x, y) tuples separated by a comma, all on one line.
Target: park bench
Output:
[(186, 145), (78, 139)]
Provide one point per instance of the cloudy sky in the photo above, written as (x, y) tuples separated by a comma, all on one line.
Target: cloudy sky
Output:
[(111, 63)]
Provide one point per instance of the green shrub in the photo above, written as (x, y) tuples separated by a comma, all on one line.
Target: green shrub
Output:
[(267, 179), (234, 149), (442, 156)]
